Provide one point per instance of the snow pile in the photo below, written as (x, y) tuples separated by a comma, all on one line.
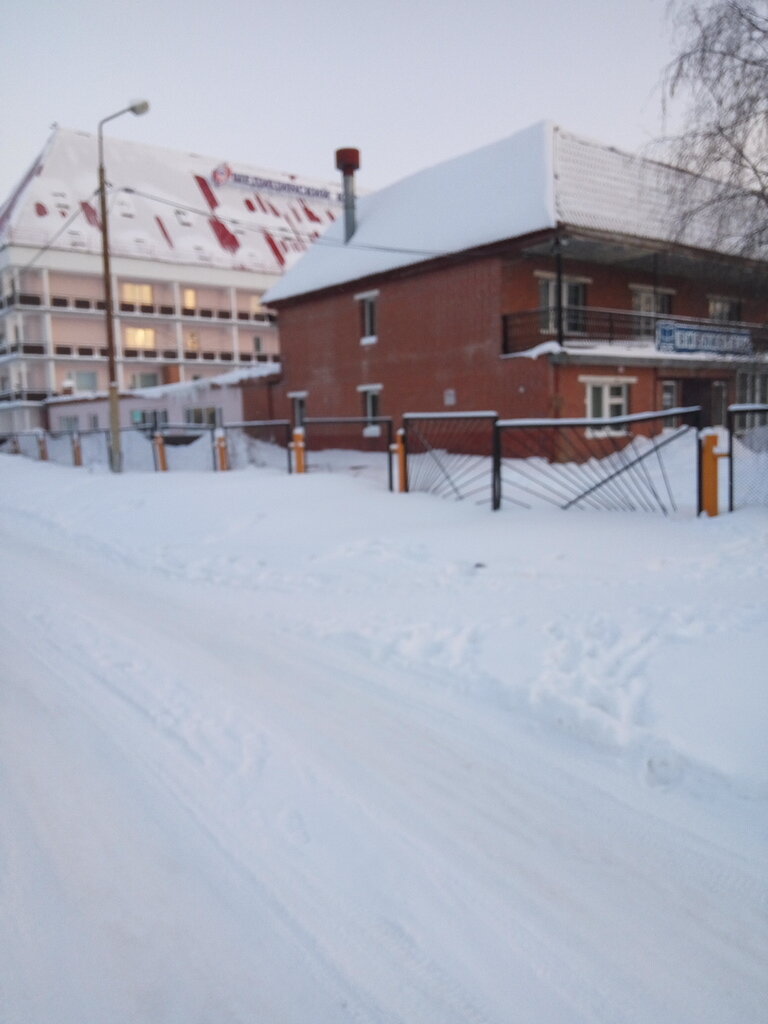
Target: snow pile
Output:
[(287, 748)]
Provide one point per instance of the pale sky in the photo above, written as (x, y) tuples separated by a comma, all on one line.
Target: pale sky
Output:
[(282, 84)]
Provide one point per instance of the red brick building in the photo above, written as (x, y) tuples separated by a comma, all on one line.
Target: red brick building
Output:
[(539, 276)]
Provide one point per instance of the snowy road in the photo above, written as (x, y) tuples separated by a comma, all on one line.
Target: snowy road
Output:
[(212, 816)]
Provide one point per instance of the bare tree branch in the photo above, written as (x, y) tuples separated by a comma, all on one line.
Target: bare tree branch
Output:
[(720, 77)]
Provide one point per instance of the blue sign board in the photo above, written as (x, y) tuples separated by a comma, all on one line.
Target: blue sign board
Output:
[(677, 337)]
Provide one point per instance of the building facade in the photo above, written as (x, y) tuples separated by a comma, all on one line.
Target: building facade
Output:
[(194, 244), (539, 277)]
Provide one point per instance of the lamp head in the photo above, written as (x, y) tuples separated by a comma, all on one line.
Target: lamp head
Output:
[(139, 107)]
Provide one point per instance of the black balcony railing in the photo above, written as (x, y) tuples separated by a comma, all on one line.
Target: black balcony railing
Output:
[(589, 327)]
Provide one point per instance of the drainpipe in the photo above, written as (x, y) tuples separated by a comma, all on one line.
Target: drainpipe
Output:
[(348, 161)]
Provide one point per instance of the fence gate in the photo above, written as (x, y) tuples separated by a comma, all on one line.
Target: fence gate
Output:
[(648, 462), (451, 454), (361, 445)]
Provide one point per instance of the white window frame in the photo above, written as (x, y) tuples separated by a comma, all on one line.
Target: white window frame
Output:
[(548, 324), (720, 305), (299, 407), (142, 338), (138, 379), (371, 395), (199, 416), (137, 293), (92, 375), (368, 302), (604, 384), (646, 305)]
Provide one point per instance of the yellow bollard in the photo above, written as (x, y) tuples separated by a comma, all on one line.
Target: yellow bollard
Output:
[(710, 489), (160, 453), (222, 453), (77, 451), (299, 451), (402, 462)]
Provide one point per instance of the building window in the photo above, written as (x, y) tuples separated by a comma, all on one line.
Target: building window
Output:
[(371, 408), (208, 417), (650, 304), (93, 422), (145, 380), (257, 345), (85, 381), (606, 398), (192, 341), (367, 302), (752, 389), (604, 401), (69, 423), (724, 310), (136, 294), (149, 418), (574, 301), (669, 394), (670, 399), (140, 337), (189, 298), (298, 407)]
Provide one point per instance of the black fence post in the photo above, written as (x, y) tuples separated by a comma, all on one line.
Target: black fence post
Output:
[(390, 480), (697, 419), (496, 468), (731, 423)]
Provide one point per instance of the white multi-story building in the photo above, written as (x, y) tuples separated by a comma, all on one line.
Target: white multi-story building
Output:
[(194, 243)]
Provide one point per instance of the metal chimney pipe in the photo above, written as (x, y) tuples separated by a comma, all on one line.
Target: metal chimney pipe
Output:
[(348, 161)]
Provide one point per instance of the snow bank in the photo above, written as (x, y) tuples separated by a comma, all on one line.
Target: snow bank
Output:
[(286, 748)]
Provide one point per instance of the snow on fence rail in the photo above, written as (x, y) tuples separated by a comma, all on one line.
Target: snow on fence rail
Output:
[(608, 463), (645, 461)]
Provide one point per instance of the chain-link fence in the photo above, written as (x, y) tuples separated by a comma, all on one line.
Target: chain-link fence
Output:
[(748, 450)]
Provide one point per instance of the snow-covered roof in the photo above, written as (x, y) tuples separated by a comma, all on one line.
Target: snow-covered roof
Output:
[(180, 388), (167, 205), (532, 181)]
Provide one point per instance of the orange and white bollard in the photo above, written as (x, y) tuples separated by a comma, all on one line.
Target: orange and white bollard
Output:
[(161, 456), (299, 451), (710, 484), (222, 452), (402, 461)]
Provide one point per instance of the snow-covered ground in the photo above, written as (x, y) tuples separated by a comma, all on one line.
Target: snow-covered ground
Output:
[(289, 749)]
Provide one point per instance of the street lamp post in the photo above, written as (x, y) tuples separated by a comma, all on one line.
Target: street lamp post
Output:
[(115, 452)]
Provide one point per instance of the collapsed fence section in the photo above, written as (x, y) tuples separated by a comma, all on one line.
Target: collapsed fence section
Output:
[(748, 455), (645, 462), (451, 454)]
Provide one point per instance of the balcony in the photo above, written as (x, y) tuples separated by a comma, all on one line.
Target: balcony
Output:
[(586, 328)]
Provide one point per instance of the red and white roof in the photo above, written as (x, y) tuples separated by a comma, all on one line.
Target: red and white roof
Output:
[(165, 205)]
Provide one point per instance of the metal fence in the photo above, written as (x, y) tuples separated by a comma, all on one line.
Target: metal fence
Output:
[(748, 455), (338, 444), (451, 454), (648, 462), (645, 462)]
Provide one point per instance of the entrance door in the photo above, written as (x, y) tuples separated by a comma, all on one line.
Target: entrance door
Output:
[(710, 395)]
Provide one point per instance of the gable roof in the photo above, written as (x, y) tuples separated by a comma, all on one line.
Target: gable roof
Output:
[(535, 180), (166, 205)]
